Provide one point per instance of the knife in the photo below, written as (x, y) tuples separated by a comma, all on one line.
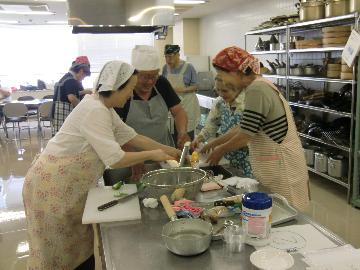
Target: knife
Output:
[(115, 202)]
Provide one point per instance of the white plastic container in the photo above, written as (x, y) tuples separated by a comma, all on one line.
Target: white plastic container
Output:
[(256, 218)]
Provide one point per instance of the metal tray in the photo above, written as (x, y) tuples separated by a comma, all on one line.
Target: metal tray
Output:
[(282, 211)]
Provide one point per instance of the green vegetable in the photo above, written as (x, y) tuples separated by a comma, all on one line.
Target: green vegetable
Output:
[(120, 194), (117, 185)]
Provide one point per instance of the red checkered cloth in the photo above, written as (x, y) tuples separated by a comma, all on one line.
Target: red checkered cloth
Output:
[(234, 59)]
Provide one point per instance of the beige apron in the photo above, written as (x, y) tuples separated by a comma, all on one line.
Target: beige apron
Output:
[(281, 167), (54, 193), (189, 101)]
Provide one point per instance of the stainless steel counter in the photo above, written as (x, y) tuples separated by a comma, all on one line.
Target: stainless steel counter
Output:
[(138, 245)]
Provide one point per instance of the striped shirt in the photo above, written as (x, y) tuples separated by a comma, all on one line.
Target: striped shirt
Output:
[(264, 111)]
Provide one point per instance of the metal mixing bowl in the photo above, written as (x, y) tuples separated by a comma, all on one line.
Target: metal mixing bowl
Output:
[(165, 181)]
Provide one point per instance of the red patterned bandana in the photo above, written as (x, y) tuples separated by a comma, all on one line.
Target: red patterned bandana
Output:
[(82, 60), (235, 58)]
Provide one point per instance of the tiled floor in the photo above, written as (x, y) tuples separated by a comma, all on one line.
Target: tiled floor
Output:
[(329, 206)]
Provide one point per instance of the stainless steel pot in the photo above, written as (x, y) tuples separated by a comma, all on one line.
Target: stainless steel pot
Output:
[(296, 71), (274, 46), (354, 5), (336, 8), (309, 156), (165, 181), (310, 71), (337, 166), (320, 162), (281, 71), (311, 10), (185, 237)]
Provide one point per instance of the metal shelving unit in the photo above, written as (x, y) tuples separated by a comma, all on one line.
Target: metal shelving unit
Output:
[(335, 180), (343, 114), (294, 29), (316, 79), (340, 147), (274, 76), (268, 52), (327, 49)]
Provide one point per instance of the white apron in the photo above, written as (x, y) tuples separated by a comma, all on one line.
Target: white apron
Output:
[(281, 167), (189, 101), (150, 118), (54, 193)]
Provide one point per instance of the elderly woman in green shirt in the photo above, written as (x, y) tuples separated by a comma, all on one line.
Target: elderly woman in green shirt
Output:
[(225, 114)]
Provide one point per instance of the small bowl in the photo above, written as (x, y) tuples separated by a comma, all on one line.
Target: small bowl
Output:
[(271, 259)]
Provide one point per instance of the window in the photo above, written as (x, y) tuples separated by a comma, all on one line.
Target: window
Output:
[(31, 52)]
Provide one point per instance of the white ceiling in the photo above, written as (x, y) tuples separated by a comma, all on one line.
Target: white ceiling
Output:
[(59, 7)]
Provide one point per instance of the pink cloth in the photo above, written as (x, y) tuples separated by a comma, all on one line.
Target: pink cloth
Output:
[(187, 206), (234, 59), (82, 60)]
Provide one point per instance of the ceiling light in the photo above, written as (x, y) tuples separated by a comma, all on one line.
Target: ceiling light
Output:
[(176, 14), (21, 9), (9, 21), (189, 2), (27, 12)]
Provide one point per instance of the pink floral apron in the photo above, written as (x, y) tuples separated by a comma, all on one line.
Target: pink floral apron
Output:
[(281, 167), (55, 191)]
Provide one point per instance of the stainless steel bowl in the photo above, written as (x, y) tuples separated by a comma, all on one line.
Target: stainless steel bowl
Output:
[(165, 181)]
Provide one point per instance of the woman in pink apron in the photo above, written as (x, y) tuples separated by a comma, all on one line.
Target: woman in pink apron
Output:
[(56, 185), (268, 128)]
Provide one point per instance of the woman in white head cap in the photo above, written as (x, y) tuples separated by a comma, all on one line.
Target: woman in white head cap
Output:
[(147, 111), (56, 185)]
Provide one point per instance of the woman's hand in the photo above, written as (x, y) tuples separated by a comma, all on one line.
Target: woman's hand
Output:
[(160, 155), (175, 153), (182, 138), (137, 171), (215, 156), (209, 146), (195, 144)]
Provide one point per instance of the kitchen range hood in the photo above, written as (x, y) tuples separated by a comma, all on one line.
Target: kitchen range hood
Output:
[(120, 16)]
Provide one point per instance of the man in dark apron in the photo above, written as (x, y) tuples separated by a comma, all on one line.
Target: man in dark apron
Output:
[(148, 110), (68, 90)]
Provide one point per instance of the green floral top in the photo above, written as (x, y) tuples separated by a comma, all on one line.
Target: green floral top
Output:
[(212, 123)]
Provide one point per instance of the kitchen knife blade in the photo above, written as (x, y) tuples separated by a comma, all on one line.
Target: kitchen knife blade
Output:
[(115, 202)]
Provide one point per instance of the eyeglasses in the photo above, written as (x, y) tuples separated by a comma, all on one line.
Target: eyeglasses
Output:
[(148, 77)]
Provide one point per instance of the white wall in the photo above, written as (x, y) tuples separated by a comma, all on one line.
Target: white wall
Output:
[(227, 27)]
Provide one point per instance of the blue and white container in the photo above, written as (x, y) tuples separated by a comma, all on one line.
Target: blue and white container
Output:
[(256, 218)]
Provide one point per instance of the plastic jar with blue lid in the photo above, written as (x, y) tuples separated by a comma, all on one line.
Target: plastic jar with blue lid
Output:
[(256, 218)]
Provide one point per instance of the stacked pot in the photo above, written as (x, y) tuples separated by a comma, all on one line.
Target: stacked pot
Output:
[(318, 9)]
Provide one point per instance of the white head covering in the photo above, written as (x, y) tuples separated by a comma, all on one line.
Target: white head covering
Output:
[(145, 58), (113, 75)]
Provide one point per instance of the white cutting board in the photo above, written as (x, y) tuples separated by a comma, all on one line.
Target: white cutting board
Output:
[(126, 210)]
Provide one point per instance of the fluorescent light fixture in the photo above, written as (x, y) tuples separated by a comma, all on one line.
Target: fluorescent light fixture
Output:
[(138, 16), (27, 12), (57, 22), (25, 9), (189, 2), (9, 21), (176, 14)]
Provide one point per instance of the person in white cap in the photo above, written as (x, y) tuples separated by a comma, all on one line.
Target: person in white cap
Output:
[(56, 185), (183, 79), (147, 111)]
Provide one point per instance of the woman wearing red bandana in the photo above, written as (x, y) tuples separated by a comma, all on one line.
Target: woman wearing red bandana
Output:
[(267, 127)]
